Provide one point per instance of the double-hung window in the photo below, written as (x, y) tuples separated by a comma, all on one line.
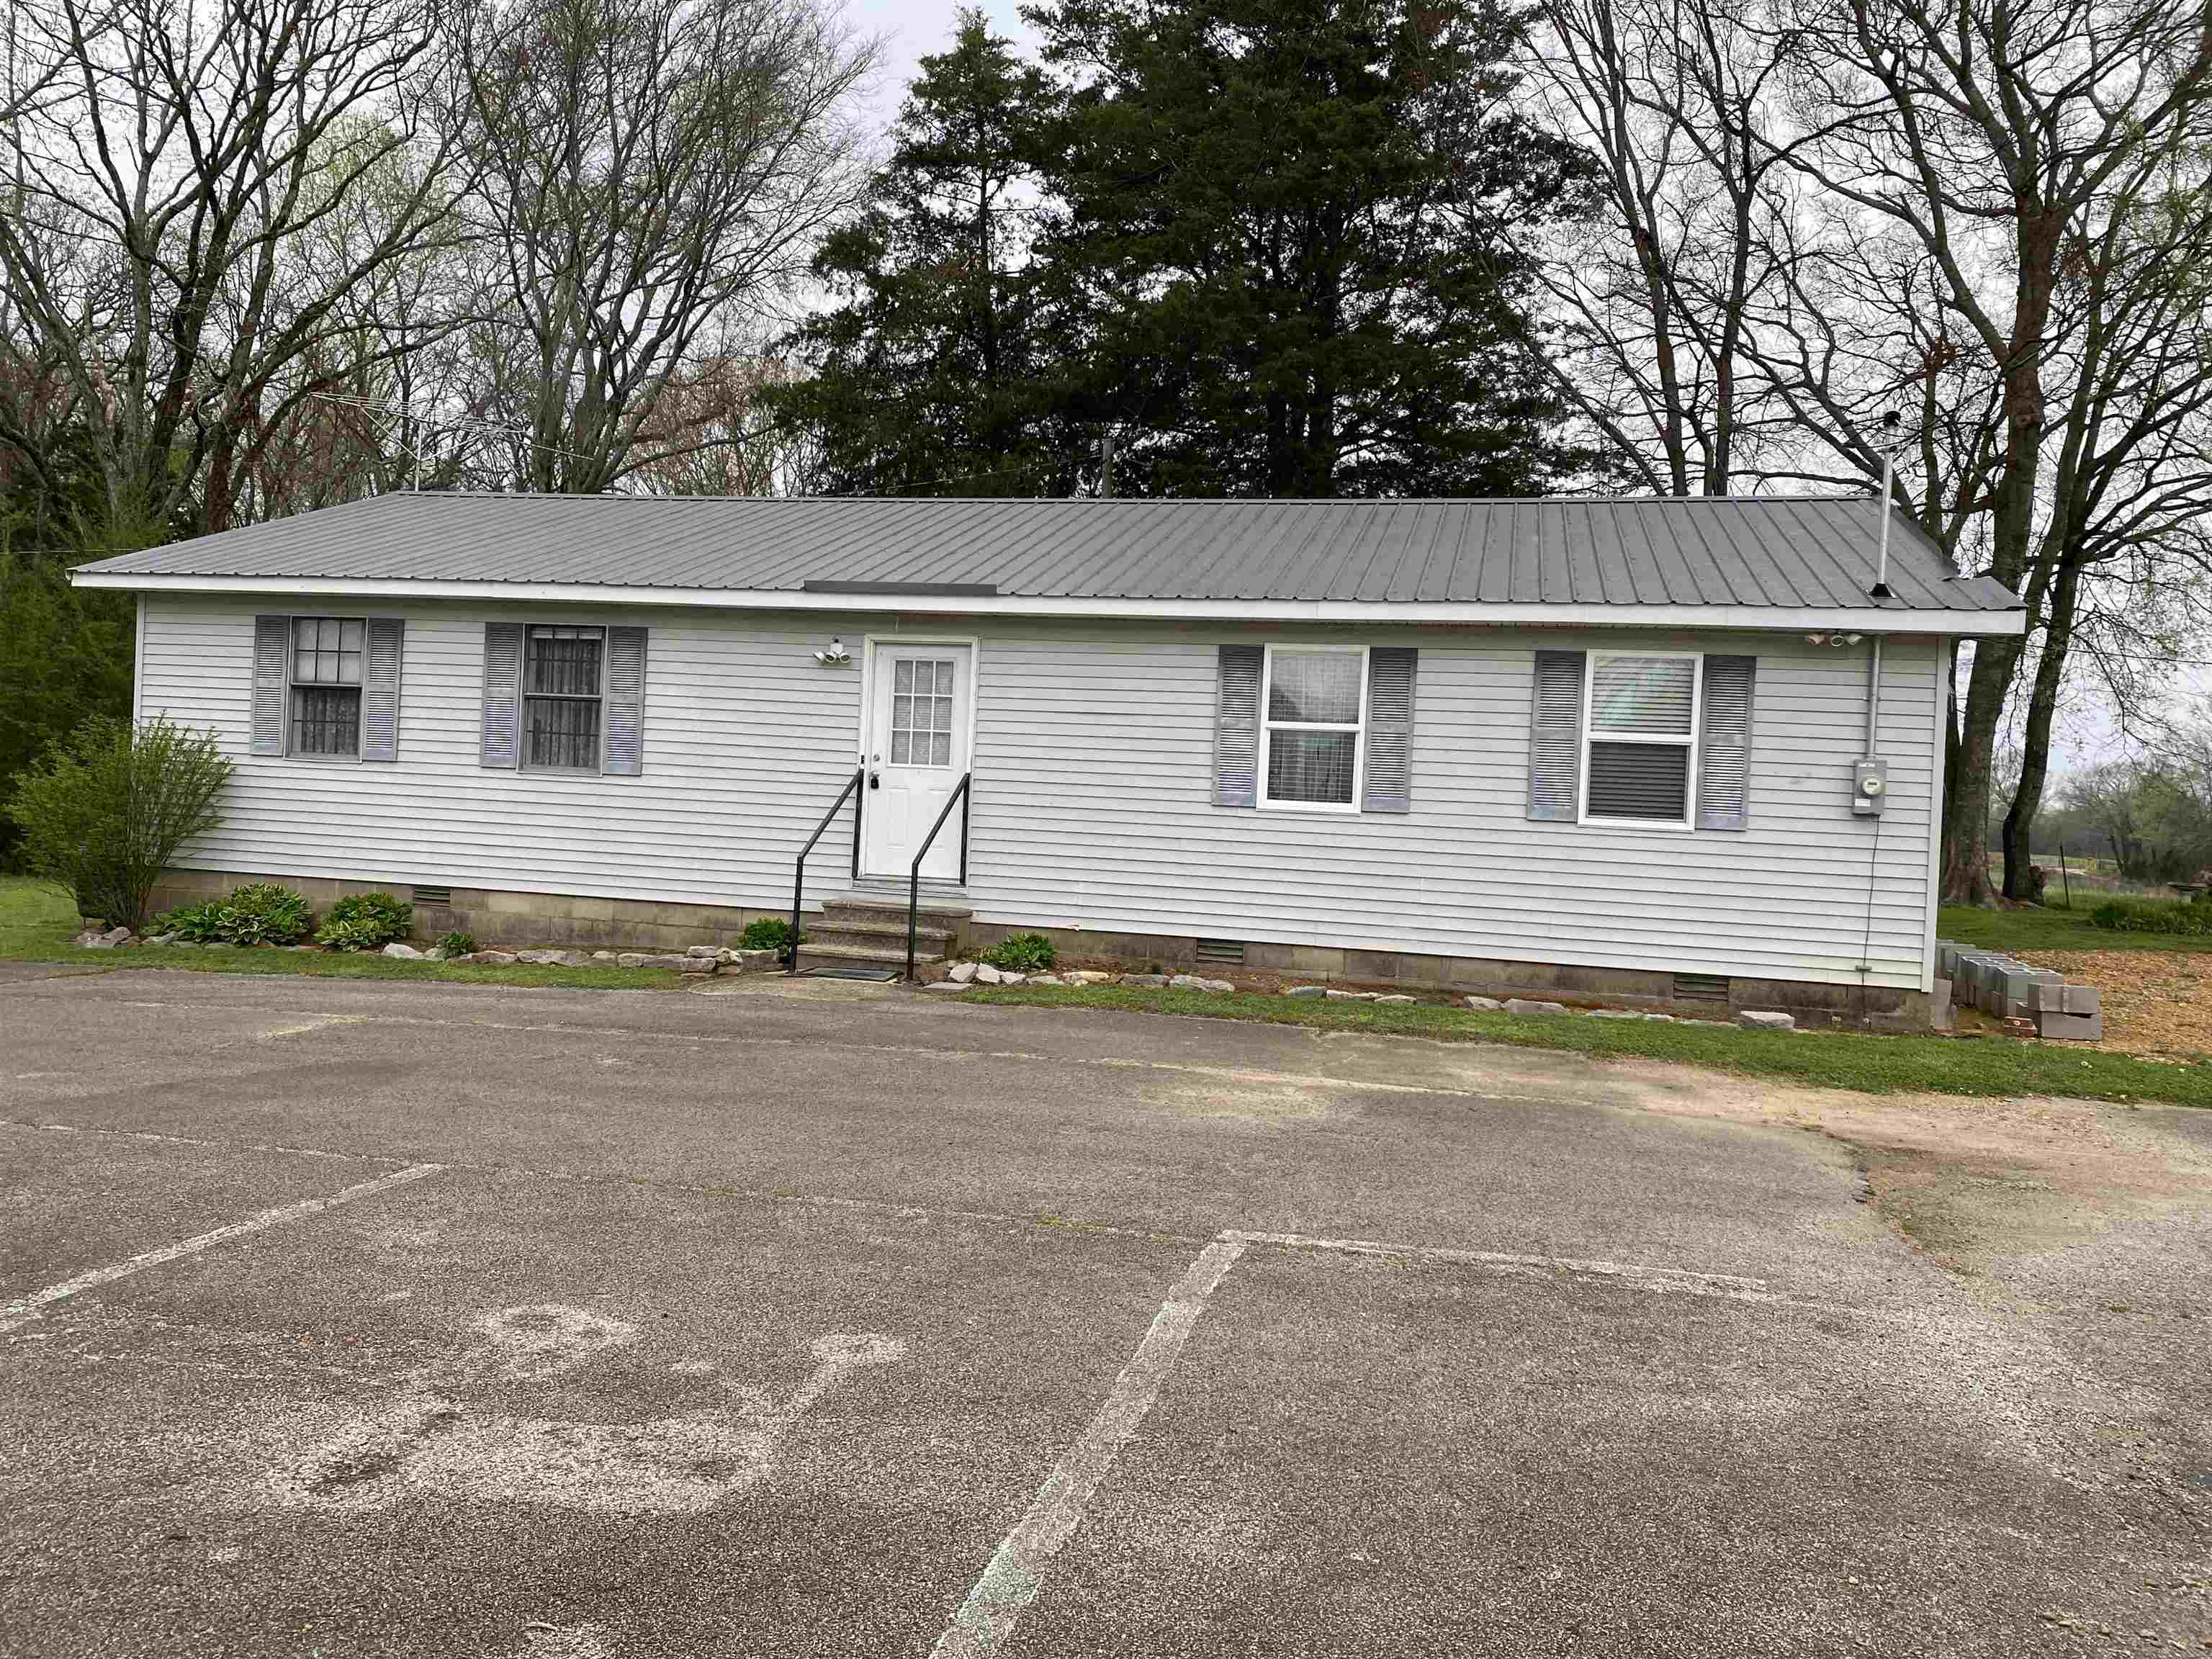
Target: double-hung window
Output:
[(1640, 737), (1314, 710), (324, 677), (563, 689)]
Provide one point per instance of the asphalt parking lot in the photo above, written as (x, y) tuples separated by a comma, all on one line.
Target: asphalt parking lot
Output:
[(369, 1319)]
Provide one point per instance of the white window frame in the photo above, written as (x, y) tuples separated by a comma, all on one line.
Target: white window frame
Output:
[(1269, 727), (293, 683), (524, 695), (1689, 745)]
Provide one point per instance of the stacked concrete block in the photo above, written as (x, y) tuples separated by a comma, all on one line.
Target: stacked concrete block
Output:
[(2031, 1000), (2072, 1013)]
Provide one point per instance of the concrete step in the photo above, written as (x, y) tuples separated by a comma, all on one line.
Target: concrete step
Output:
[(890, 955), (882, 907), (840, 929)]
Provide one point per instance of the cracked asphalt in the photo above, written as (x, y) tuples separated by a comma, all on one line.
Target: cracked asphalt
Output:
[(364, 1318)]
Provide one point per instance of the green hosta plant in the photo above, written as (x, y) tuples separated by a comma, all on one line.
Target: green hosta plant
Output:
[(367, 921), (767, 933), (259, 913), (458, 945), (1023, 953)]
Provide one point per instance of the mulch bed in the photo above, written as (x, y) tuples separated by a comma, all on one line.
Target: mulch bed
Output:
[(2155, 1001)]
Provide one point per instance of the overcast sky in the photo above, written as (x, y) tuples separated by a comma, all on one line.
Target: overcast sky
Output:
[(913, 29)]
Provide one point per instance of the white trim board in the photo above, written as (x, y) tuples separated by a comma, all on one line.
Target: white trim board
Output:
[(1764, 619)]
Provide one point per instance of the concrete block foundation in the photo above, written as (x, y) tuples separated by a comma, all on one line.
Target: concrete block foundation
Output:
[(505, 919)]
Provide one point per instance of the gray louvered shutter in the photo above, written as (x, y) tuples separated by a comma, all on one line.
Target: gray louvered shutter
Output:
[(503, 695), (1555, 737), (1724, 744), (625, 701), (1237, 726), (380, 689), (272, 650), (1387, 785)]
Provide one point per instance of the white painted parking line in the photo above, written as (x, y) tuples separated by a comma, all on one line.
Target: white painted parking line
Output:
[(1016, 1572), (1726, 1285), (23, 1310)]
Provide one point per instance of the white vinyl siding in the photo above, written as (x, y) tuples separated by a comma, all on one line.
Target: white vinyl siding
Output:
[(1095, 770)]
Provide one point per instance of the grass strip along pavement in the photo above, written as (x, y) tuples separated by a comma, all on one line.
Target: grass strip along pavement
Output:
[(1829, 1059), (37, 925)]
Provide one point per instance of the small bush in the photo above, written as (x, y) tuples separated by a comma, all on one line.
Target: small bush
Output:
[(767, 933), (367, 921), (259, 913), (1023, 953), (105, 810), (458, 945), (2143, 916), (361, 934)]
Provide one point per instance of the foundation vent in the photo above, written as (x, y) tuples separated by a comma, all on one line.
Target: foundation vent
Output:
[(1227, 950), (1701, 987), (434, 896)]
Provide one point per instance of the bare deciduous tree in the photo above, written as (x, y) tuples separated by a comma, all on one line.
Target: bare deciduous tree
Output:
[(648, 166), (166, 191)]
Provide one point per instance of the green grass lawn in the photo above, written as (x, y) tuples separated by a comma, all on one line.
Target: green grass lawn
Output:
[(1835, 1060), (37, 922), (2054, 928)]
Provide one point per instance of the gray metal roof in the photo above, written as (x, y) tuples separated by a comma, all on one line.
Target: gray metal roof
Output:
[(1760, 552)]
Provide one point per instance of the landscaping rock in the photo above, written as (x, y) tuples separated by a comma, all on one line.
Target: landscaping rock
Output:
[(1523, 1005), (1482, 1002), (1766, 1019), (603, 955), (1085, 976), (964, 971), (756, 961), (697, 967), (1193, 982), (1307, 991), (1005, 978), (91, 941), (403, 952), (162, 938), (1154, 979), (632, 959), (489, 958), (1397, 999), (1613, 1013), (1663, 1019), (987, 975), (118, 936), (1335, 995), (947, 985), (542, 958), (709, 952), (1046, 979)]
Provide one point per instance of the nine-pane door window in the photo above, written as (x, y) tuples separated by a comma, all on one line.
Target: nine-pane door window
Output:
[(563, 683), (921, 712), (325, 685)]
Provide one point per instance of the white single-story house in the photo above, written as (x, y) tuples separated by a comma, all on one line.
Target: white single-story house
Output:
[(1656, 751)]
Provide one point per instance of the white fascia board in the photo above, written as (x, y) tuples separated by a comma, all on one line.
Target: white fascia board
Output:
[(1767, 618)]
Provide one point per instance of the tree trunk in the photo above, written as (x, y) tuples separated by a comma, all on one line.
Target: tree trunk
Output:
[(1967, 819), (2035, 739)]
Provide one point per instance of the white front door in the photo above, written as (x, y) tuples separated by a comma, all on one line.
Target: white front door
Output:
[(916, 751)]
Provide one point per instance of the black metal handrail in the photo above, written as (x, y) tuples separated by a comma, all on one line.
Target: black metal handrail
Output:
[(914, 876), (798, 874)]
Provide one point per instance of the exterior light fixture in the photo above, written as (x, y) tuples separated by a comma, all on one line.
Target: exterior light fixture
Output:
[(836, 656)]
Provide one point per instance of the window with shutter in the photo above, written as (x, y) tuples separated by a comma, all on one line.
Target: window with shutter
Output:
[(1640, 738), (1237, 726), (1313, 711)]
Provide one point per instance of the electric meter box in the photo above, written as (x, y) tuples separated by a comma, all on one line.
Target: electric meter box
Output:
[(1869, 785)]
